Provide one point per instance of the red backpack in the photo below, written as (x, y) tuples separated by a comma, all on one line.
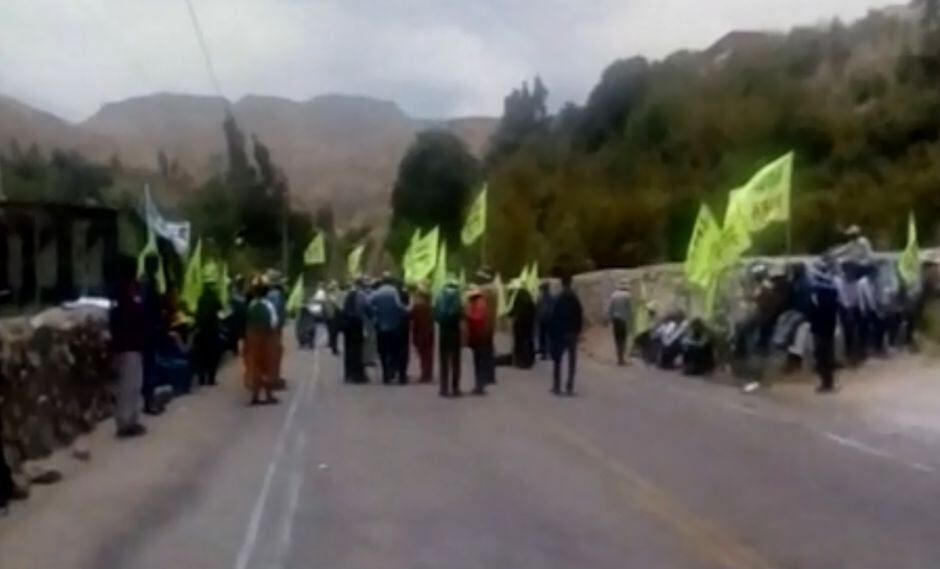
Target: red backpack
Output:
[(477, 316)]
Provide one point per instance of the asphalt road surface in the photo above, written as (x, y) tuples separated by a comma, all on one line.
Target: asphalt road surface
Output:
[(641, 470)]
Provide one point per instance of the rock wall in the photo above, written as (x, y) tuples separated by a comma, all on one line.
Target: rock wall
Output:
[(55, 380), (664, 286)]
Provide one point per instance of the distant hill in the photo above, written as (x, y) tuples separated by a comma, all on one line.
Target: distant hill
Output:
[(337, 148)]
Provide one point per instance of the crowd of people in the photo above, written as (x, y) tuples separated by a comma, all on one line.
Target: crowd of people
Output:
[(165, 349), (835, 310), (841, 308), (381, 321)]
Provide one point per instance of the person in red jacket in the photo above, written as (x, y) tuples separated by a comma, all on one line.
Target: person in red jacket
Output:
[(422, 331), (479, 339)]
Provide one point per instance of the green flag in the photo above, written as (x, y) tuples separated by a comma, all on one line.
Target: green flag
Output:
[(151, 249), (295, 300), (315, 254), (409, 252), (475, 224), (699, 264), (735, 232), (354, 261), (909, 261), (768, 193), (710, 297), (440, 271), (532, 280), (192, 279), (421, 257)]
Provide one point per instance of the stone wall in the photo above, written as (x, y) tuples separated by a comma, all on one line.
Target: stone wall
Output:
[(664, 286), (55, 380)]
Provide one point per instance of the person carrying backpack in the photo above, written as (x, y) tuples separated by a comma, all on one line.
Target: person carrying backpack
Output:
[(448, 312), (480, 339)]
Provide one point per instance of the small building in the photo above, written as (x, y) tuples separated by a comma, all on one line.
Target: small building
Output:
[(53, 252)]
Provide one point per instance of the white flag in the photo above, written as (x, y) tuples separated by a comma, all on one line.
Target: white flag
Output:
[(178, 233)]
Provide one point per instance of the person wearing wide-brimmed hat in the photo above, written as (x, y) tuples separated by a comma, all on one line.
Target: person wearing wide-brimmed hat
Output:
[(261, 326), (855, 249), (620, 315), (207, 333)]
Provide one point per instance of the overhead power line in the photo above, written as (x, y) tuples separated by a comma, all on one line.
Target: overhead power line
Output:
[(204, 47)]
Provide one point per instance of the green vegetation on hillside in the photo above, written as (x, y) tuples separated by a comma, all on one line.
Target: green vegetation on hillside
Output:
[(618, 181)]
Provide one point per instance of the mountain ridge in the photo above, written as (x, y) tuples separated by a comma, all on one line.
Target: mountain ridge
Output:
[(336, 148)]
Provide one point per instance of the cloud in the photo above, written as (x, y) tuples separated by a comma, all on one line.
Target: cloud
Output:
[(433, 57)]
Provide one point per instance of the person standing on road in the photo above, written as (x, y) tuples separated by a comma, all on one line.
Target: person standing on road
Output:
[(847, 289), (207, 335), (261, 326), (333, 316), (448, 312), (355, 314), (488, 350), (543, 314), (155, 330), (404, 333), (388, 315), (129, 337), (422, 331), (523, 329), (620, 315), (480, 339), (566, 325), (278, 299), (823, 317)]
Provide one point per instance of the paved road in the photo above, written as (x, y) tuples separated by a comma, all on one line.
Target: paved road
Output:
[(641, 470)]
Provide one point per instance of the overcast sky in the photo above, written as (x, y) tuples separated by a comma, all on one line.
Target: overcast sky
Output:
[(435, 58)]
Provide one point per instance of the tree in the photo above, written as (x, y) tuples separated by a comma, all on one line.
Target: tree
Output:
[(436, 180), (622, 85), (524, 113)]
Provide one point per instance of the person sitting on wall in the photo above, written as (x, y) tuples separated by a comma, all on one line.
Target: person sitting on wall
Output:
[(698, 353), (669, 335)]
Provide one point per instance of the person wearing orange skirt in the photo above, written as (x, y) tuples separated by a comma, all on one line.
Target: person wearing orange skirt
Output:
[(258, 353)]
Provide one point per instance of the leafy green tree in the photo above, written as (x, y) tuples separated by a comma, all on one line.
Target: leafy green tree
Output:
[(436, 180)]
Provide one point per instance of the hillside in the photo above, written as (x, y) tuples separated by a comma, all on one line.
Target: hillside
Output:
[(344, 149), (619, 180)]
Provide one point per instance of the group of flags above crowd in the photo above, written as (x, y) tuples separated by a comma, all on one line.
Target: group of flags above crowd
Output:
[(426, 259), (712, 248), (765, 199), (426, 255)]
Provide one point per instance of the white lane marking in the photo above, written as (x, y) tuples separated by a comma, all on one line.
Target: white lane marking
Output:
[(922, 467), (874, 451), (316, 376), (859, 446), (254, 523), (293, 497), (782, 418)]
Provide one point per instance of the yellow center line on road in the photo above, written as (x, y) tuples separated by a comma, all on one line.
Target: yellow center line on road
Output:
[(708, 541)]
